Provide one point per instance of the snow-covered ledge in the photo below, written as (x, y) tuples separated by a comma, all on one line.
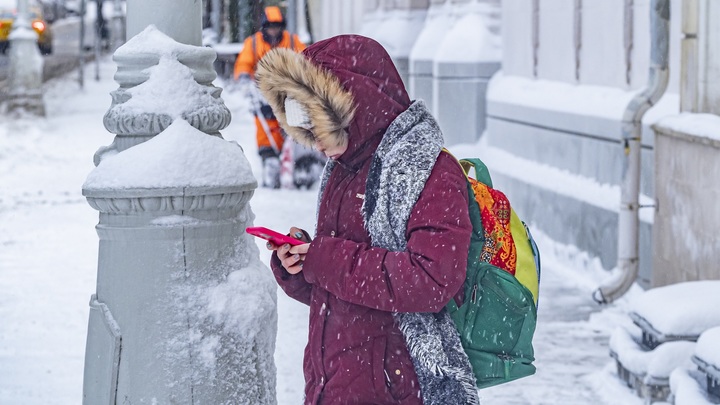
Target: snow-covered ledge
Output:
[(668, 320), (707, 358), (184, 311)]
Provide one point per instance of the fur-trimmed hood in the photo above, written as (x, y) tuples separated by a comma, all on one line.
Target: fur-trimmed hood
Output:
[(347, 84)]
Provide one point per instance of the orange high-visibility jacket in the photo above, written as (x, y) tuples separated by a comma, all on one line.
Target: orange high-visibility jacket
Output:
[(255, 47)]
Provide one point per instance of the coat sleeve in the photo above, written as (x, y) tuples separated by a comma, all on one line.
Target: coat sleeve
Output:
[(246, 60), (425, 276), (294, 285)]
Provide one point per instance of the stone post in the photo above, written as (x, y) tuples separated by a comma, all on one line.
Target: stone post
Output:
[(184, 311), (26, 66)]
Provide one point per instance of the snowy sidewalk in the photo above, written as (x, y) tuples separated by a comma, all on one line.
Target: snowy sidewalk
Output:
[(48, 260)]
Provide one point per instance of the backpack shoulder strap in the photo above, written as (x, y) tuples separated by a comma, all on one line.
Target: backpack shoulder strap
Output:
[(482, 174), (292, 41)]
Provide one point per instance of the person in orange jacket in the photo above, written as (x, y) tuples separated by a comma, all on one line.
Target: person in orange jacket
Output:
[(272, 34)]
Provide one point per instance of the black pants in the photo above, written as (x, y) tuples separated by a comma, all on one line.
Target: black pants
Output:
[(266, 152)]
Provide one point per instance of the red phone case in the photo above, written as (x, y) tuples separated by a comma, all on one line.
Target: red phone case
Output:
[(273, 237)]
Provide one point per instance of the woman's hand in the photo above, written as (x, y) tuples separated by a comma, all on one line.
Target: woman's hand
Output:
[(292, 257)]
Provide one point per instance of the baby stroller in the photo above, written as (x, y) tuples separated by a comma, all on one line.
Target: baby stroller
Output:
[(300, 166)]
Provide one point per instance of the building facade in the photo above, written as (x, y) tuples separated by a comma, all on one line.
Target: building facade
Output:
[(569, 70)]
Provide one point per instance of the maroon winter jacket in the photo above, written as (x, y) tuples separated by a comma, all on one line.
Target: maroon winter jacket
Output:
[(355, 353)]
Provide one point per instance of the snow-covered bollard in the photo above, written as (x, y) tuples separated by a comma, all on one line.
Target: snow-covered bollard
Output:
[(184, 312), (26, 66)]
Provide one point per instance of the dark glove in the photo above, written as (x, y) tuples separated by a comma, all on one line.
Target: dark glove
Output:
[(267, 112)]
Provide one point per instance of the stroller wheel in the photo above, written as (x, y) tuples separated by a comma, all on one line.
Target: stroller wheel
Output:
[(271, 172), (306, 172)]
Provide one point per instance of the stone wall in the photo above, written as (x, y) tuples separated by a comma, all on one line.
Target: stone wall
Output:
[(687, 240)]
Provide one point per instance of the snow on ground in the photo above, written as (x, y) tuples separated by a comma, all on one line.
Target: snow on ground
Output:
[(48, 263)]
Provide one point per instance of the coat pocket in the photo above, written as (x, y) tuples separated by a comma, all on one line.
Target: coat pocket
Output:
[(381, 382), (388, 384), (398, 367)]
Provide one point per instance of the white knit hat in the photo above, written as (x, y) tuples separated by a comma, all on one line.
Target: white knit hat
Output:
[(296, 115)]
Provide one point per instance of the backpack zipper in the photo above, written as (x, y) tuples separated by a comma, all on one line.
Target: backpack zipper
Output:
[(507, 362)]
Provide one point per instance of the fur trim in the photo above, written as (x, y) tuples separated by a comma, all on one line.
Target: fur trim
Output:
[(285, 73)]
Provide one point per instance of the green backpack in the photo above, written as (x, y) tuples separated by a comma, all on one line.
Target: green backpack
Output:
[(497, 319)]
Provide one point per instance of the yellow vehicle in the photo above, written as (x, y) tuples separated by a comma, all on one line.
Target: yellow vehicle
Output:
[(38, 23)]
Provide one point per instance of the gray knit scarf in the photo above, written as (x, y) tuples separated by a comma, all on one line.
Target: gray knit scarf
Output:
[(398, 172)]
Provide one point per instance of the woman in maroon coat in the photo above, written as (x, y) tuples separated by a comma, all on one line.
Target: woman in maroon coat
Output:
[(392, 236)]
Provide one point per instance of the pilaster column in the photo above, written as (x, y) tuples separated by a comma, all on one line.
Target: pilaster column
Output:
[(700, 83), (461, 74)]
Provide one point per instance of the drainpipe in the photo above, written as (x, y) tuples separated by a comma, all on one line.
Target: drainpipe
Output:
[(628, 223)]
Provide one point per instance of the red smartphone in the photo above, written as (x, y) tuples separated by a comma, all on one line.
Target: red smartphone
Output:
[(273, 237)]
